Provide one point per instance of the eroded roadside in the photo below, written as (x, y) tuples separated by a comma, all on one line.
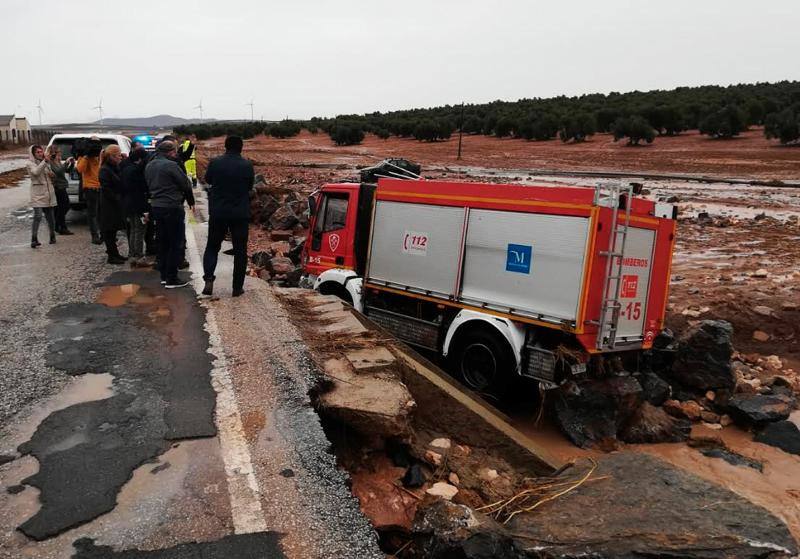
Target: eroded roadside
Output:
[(435, 478)]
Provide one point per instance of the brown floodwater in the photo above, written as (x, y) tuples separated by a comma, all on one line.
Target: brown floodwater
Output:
[(117, 295)]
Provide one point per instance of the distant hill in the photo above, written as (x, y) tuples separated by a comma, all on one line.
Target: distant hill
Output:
[(157, 121)]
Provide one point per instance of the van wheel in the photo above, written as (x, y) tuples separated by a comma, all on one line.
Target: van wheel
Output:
[(484, 363)]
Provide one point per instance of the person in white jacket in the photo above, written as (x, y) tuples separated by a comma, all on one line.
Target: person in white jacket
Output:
[(43, 195)]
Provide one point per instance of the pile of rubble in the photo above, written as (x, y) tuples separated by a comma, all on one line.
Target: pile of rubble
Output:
[(697, 378), (282, 214)]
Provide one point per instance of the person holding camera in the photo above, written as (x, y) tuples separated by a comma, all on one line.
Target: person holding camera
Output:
[(112, 217), (88, 165), (43, 196), (60, 169)]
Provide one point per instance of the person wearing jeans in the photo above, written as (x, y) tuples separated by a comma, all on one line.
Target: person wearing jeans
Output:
[(135, 204), (169, 187), (231, 178), (43, 195), (60, 183)]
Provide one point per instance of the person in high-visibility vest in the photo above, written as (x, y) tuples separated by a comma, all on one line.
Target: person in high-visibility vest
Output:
[(187, 152)]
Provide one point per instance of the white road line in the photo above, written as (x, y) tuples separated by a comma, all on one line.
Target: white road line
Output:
[(245, 496)]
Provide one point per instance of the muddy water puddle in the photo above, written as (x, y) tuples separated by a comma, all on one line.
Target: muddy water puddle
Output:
[(83, 388), (117, 295)]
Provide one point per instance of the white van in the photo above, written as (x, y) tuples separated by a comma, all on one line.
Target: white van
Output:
[(65, 143)]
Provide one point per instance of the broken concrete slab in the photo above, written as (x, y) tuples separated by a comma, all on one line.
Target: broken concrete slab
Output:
[(370, 358), (340, 322), (373, 404)]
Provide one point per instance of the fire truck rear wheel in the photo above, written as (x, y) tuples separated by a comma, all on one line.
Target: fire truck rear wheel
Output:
[(484, 362)]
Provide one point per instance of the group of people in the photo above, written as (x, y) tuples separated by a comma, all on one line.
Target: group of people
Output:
[(144, 194)]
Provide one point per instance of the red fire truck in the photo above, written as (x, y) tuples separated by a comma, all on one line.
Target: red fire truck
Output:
[(502, 280)]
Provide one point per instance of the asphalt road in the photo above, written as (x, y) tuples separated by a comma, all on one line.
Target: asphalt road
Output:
[(140, 422)]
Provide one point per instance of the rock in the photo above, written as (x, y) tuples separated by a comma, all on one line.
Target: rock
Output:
[(782, 380), (760, 336), (763, 310), (281, 248), (725, 420), (414, 476), (443, 490), (652, 425), (689, 409), (781, 434), (463, 450), (595, 410), (280, 265), (713, 446), (760, 273), (789, 306), (757, 409), (296, 252), (433, 458), (709, 416), (654, 389), (440, 444), (774, 362), (454, 479), (747, 385), (264, 275), (263, 209), (445, 530), (714, 426), (489, 475), (281, 235), (260, 259), (283, 218), (293, 277), (672, 200), (703, 357), (694, 518), (711, 395)]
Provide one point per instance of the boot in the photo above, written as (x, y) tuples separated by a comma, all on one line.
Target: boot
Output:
[(208, 289), (35, 242), (52, 238)]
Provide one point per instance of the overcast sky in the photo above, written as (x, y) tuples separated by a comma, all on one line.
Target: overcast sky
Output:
[(318, 57)]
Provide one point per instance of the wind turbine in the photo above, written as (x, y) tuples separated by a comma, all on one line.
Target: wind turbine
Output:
[(250, 104), (99, 107), (200, 106), (40, 109)]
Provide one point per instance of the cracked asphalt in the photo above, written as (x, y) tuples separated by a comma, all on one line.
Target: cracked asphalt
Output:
[(113, 441)]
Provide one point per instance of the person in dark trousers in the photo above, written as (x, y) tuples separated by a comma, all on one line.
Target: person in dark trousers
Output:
[(112, 216), (169, 187), (89, 168), (231, 178), (134, 201), (177, 159), (60, 169)]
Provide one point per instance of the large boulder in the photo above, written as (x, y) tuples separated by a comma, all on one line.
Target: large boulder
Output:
[(283, 218), (703, 357), (280, 265), (654, 389), (263, 208), (650, 424), (782, 434), (755, 410), (595, 410), (260, 259), (444, 530), (640, 506)]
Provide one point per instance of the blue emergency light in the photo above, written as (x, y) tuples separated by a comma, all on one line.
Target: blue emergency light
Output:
[(143, 139)]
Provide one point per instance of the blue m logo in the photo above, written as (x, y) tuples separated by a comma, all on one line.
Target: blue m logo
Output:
[(518, 258)]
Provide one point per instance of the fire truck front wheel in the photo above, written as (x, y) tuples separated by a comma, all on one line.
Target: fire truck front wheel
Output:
[(483, 361)]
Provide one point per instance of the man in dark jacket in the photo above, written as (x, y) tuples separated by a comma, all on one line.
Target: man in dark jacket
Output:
[(231, 178), (134, 202), (169, 188)]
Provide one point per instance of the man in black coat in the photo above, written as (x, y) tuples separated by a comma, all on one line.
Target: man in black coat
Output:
[(169, 188), (231, 178), (134, 201)]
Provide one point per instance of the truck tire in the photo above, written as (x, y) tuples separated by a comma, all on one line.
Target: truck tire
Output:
[(483, 362)]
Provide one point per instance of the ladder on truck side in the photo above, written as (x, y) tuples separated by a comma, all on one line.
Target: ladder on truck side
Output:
[(610, 195)]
